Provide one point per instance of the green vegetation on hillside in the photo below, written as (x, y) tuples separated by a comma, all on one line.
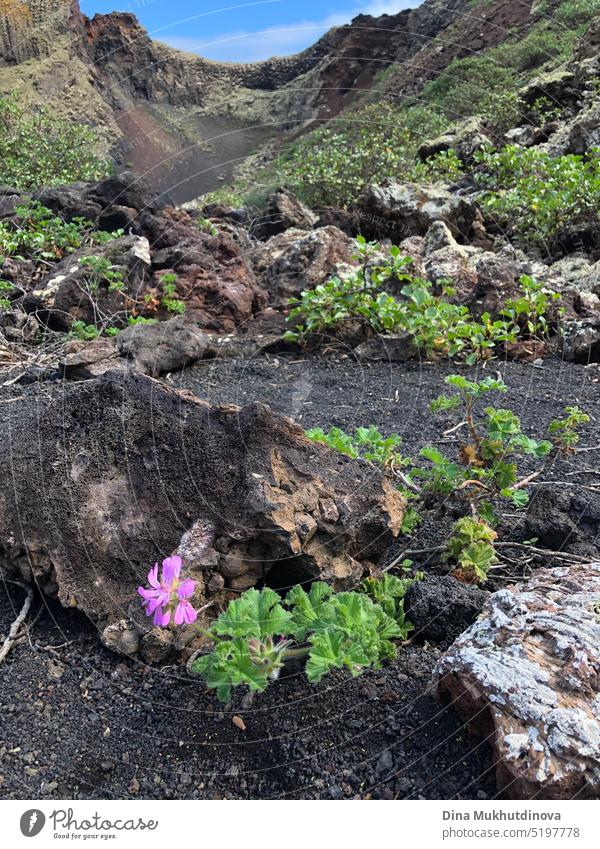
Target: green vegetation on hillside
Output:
[(330, 166), (539, 198), (377, 139), (39, 150)]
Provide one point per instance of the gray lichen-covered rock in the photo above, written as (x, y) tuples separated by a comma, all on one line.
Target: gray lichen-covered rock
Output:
[(410, 209), (77, 290), (527, 673), (296, 260), (102, 478), (465, 140), (282, 211), (156, 349)]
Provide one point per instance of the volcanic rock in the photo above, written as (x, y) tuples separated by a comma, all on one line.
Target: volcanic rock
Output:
[(526, 673)]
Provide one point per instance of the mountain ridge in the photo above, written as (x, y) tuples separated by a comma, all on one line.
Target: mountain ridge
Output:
[(182, 120)]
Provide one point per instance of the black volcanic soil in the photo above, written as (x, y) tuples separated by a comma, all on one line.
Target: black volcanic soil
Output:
[(77, 721)]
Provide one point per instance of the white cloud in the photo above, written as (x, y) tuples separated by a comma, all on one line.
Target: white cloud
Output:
[(247, 46)]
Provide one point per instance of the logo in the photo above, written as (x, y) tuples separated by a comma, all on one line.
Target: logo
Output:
[(32, 822)]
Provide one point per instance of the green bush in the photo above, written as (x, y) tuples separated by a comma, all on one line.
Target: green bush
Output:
[(537, 197), (36, 233), (331, 166), (488, 83), (39, 150), (438, 326)]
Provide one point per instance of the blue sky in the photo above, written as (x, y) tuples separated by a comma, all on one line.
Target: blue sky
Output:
[(238, 31)]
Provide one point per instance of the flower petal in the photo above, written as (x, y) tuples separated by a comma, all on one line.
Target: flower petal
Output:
[(179, 614), (171, 567), (186, 588), (153, 603), (153, 576), (191, 614), (184, 613), (161, 618)]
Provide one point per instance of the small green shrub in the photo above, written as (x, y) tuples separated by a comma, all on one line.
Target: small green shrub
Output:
[(536, 197), (135, 320), (483, 475), (388, 592), (85, 332), (438, 326), (169, 300), (36, 233), (102, 271), (6, 289), (564, 432), (36, 149), (367, 443), (259, 631), (205, 225), (471, 547), (530, 311), (488, 467)]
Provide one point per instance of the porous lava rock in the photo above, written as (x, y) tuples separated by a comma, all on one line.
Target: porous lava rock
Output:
[(526, 675), (102, 478)]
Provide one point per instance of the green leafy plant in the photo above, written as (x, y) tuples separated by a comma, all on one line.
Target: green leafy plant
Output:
[(564, 432), (530, 311), (471, 547), (488, 458), (389, 591), (438, 326), (37, 149), (104, 272), (36, 233), (6, 289), (85, 332), (169, 289), (135, 320), (367, 443), (259, 632), (206, 226), (538, 198)]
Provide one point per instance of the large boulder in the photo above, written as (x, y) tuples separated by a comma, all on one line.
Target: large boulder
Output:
[(167, 346), (526, 675), (282, 211), (465, 139), (411, 208), (214, 278), (293, 261), (94, 285), (115, 202), (104, 477)]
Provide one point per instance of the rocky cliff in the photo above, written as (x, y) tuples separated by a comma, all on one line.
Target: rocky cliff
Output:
[(181, 120)]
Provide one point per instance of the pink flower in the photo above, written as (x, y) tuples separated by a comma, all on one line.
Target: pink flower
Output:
[(184, 612), (168, 597)]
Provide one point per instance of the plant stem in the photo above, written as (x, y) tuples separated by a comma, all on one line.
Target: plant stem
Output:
[(294, 653)]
